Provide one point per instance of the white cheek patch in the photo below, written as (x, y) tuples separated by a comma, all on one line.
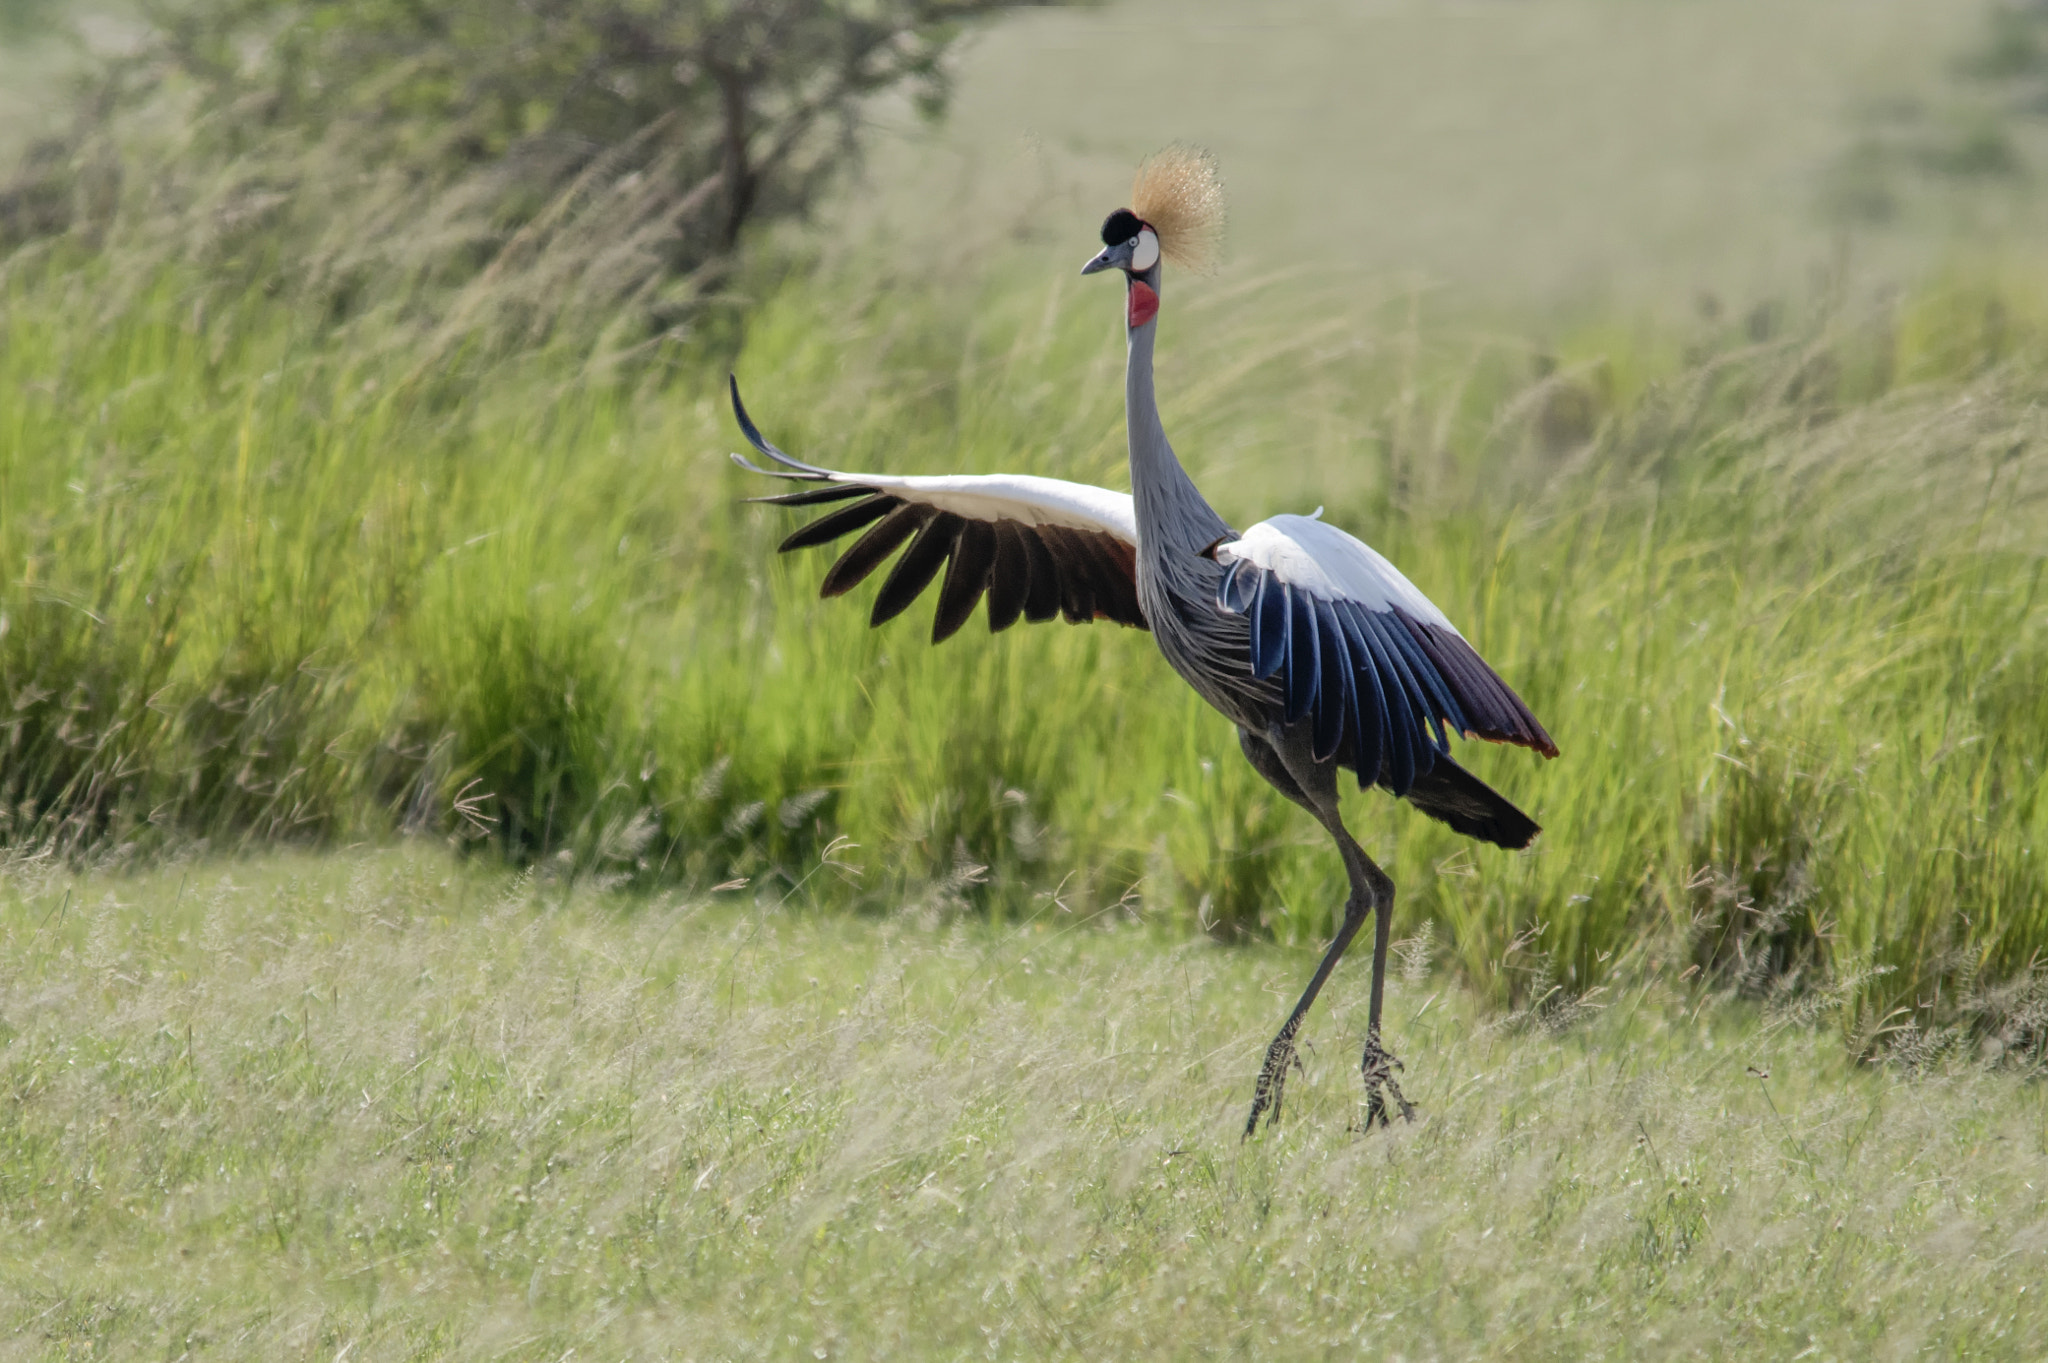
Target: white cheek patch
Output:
[(1146, 253)]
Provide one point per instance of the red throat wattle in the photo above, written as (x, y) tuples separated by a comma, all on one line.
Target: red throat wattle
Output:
[(1143, 303)]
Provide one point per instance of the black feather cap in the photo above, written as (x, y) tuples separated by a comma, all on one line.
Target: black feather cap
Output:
[(1119, 227)]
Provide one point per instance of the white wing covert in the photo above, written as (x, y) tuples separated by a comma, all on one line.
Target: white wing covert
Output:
[(1036, 547), (1383, 673)]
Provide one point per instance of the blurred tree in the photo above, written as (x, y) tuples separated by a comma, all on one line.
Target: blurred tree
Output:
[(495, 166), (21, 20), (1980, 130)]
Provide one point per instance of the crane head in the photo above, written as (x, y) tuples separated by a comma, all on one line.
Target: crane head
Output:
[(1128, 244), (1176, 213)]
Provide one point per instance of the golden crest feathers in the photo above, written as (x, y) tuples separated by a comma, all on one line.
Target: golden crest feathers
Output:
[(1179, 193)]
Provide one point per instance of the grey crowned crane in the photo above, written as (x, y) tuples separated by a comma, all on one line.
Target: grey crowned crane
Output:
[(1321, 653)]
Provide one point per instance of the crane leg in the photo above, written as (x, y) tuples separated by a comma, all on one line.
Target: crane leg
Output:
[(1280, 1055), (1288, 765), (1378, 1063)]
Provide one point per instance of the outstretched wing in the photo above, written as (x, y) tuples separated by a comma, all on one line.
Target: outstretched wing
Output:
[(1036, 547), (1381, 671)]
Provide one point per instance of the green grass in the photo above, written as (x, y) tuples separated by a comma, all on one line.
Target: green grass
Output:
[(277, 572), (395, 1105), (1779, 602), (461, 895)]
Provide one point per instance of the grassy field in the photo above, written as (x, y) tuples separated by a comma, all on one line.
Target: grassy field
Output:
[(286, 570), (463, 896), (387, 1105), (1777, 598)]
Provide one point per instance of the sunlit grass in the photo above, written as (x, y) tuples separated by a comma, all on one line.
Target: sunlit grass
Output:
[(393, 1106), (461, 894), (1780, 609), (1780, 612)]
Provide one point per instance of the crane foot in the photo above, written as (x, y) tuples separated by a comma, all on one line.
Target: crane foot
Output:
[(1273, 1078), (1378, 1066)]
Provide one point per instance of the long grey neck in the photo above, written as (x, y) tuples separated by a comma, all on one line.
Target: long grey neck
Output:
[(1172, 514)]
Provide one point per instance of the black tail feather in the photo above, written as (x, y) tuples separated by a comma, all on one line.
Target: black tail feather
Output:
[(1450, 793)]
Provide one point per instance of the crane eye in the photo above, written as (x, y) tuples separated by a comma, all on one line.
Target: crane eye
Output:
[(1146, 253)]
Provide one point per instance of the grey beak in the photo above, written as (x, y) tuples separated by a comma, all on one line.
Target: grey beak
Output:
[(1117, 257)]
